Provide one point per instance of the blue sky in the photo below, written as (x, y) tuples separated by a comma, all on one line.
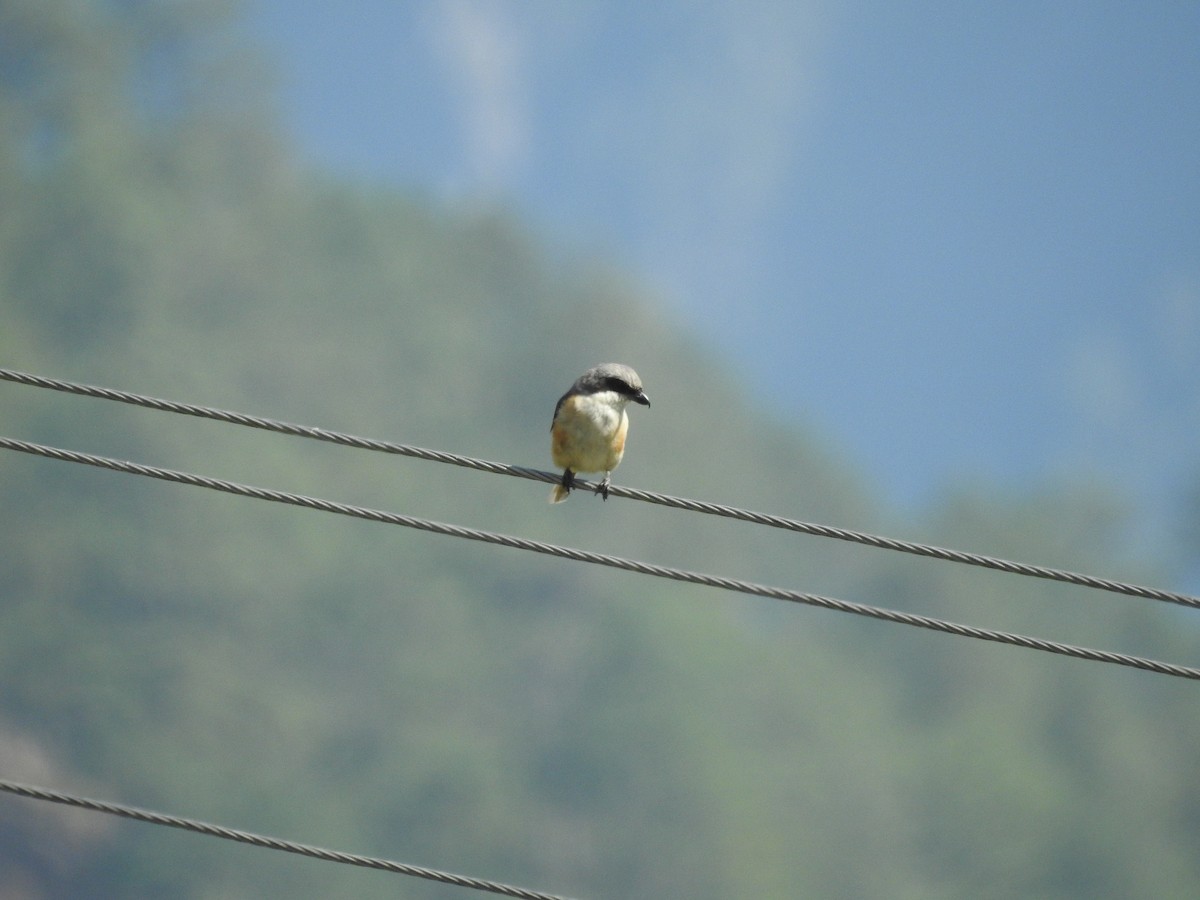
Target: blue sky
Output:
[(962, 240)]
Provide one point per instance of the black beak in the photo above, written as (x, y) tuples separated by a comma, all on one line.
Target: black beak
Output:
[(640, 397)]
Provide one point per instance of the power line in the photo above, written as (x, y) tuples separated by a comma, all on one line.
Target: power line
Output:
[(617, 562), (271, 843), (673, 502)]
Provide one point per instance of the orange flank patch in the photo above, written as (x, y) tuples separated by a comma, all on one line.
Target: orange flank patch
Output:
[(618, 444), (560, 440)]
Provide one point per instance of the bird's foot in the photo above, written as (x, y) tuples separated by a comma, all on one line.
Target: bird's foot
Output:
[(602, 488)]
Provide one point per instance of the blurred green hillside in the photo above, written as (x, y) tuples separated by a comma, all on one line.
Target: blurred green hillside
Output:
[(476, 709)]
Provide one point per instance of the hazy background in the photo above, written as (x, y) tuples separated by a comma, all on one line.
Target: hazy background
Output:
[(917, 271), (964, 242)]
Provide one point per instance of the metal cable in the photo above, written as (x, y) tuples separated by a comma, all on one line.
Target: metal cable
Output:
[(603, 559), (271, 843), (714, 509)]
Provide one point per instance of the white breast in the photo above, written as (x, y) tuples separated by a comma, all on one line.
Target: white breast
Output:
[(599, 417)]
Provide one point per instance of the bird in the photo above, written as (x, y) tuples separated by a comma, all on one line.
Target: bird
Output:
[(589, 427)]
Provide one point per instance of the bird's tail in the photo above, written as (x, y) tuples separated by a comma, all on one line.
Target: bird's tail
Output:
[(559, 493)]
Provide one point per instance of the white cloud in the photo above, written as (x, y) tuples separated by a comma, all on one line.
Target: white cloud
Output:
[(483, 57), (692, 117), (703, 138)]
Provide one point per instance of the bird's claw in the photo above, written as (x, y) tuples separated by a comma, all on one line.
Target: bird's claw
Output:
[(602, 488)]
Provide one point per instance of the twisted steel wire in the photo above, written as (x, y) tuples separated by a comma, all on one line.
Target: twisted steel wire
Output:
[(673, 502), (603, 559), (271, 843)]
